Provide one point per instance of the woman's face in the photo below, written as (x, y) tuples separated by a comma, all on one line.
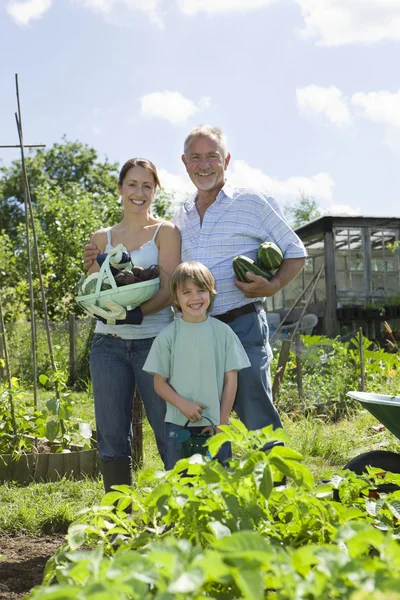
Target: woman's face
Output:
[(137, 190)]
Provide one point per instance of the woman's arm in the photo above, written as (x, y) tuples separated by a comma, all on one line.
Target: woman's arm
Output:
[(169, 257), (100, 240), (191, 410)]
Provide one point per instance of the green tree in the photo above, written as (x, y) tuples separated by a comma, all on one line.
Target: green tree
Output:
[(73, 194), (305, 210), (61, 165)]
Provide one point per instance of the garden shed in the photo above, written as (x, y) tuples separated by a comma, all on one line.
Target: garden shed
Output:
[(360, 281)]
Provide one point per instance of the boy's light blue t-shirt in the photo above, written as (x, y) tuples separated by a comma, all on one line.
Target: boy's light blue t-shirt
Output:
[(194, 357)]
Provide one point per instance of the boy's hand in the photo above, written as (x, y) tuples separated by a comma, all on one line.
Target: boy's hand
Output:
[(192, 410), (90, 253)]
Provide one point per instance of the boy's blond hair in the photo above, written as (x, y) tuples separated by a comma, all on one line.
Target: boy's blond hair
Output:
[(196, 272)]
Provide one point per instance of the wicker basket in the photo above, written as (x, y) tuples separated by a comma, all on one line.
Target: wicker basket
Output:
[(128, 296)]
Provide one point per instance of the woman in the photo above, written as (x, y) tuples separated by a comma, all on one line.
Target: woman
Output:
[(123, 338)]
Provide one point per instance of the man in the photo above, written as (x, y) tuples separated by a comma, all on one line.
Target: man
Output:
[(219, 223)]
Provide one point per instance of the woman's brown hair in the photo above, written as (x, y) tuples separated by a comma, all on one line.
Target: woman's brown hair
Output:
[(138, 162)]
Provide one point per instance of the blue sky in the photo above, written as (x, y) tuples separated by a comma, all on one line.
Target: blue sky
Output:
[(307, 91)]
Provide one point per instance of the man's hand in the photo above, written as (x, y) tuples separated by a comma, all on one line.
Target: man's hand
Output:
[(208, 429), (259, 286), (116, 314), (90, 253), (192, 410)]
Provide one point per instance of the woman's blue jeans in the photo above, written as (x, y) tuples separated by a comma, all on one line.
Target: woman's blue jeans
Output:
[(116, 366)]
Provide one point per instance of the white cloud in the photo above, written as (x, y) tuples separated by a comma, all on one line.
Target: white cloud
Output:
[(382, 106), (241, 174), (181, 187), (171, 106), (323, 101), (341, 210), (24, 12), (119, 11), (335, 22), (191, 7), (318, 186)]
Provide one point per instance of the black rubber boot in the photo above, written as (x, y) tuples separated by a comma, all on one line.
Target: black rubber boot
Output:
[(116, 471)]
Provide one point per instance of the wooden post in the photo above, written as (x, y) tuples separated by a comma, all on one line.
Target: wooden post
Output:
[(331, 323), (280, 370), (362, 362), (137, 431), (2, 354), (72, 349), (299, 366)]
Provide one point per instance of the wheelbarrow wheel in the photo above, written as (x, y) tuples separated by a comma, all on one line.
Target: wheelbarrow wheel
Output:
[(381, 459)]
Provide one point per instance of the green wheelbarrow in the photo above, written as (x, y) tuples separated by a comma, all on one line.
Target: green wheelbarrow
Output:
[(387, 410)]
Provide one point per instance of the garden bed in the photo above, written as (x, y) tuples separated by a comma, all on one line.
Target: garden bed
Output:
[(23, 563), (49, 466)]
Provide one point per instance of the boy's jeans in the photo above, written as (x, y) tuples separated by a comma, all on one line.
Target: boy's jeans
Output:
[(116, 365), (174, 450)]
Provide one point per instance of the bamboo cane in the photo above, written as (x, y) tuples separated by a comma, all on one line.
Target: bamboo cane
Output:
[(3, 333), (35, 244)]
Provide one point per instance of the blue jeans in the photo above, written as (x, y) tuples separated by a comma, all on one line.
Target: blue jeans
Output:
[(254, 403), (174, 450), (116, 366)]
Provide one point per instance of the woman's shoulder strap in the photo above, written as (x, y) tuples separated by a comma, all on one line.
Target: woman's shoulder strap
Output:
[(157, 230)]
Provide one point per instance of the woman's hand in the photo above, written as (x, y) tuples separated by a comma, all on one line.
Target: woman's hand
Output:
[(90, 253)]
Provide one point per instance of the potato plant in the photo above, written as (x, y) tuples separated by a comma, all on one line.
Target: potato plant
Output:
[(204, 531)]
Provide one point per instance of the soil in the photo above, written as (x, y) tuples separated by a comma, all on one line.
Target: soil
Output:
[(23, 563)]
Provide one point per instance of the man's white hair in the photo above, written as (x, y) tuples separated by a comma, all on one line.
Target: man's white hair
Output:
[(215, 133)]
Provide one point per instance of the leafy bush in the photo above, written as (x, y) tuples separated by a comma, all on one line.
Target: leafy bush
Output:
[(330, 368)]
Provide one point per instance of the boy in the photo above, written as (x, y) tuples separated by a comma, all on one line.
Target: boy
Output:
[(195, 361)]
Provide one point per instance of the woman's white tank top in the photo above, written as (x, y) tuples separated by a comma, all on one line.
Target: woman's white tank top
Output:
[(151, 326)]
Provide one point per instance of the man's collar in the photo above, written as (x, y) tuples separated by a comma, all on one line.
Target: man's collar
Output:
[(227, 191)]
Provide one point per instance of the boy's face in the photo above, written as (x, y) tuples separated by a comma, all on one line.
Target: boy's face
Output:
[(193, 301)]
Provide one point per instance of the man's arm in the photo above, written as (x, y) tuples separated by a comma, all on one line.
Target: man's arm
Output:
[(260, 286)]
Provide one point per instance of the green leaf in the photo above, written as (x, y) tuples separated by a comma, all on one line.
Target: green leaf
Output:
[(250, 582), (190, 581), (215, 442), (52, 430), (263, 479), (220, 531), (43, 379), (53, 404), (248, 544), (77, 535)]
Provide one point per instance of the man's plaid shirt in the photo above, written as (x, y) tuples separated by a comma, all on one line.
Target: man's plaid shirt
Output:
[(237, 222)]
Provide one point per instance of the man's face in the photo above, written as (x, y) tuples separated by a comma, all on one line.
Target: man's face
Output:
[(206, 164)]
